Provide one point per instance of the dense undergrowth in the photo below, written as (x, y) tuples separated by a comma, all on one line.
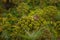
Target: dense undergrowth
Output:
[(30, 20)]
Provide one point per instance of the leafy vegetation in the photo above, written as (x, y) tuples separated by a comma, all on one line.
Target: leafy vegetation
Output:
[(30, 20)]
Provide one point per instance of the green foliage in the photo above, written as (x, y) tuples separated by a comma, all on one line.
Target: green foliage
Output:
[(30, 20), (50, 12), (23, 9), (57, 17)]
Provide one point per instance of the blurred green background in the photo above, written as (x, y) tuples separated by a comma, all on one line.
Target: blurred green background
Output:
[(29, 19)]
